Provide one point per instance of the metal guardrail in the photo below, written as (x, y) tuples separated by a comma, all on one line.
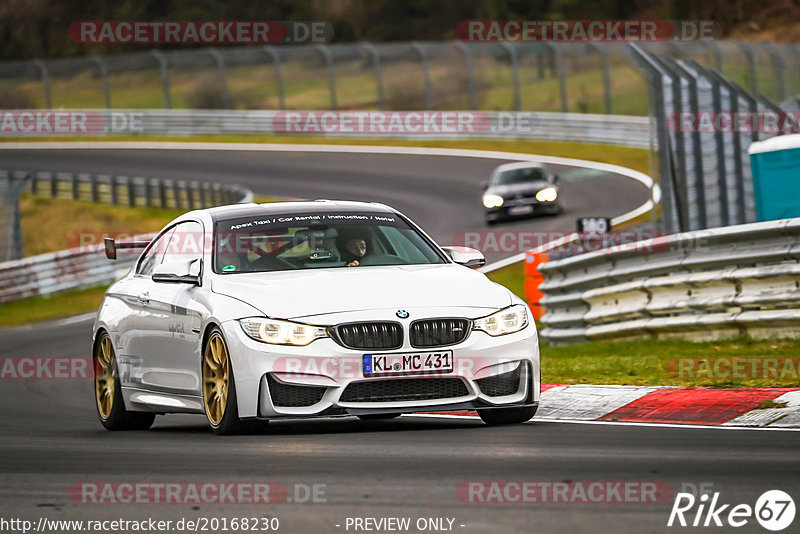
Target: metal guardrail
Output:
[(134, 191), (623, 130), (59, 271), (741, 279)]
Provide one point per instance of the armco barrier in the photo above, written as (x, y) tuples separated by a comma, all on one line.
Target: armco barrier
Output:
[(623, 130), (135, 191), (712, 283), (60, 271)]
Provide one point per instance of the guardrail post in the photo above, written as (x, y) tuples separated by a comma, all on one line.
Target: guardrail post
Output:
[(162, 194), (164, 67), (512, 57), (426, 75), (12, 185), (93, 186), (276, 63), (328, 57), (131, 193), (471, 86), (74, 179), (372, 50), (148, 202), (533, 279), (223, 81), (53, 185), (112, 180), (204, 194), (176, 191), (190, 189), (101, 64), (45, 75), (779, 65)]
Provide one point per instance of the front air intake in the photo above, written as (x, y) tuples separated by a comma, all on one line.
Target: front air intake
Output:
[(438, 332), (369, 335), (293, 396)]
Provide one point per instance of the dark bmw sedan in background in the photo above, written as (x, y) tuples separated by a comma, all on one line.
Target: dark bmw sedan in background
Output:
[(520, 190)]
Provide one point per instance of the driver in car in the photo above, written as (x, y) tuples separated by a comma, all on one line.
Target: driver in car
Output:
[(357, 249)]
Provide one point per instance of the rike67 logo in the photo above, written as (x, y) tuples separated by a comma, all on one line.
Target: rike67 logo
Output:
[(774, 510)]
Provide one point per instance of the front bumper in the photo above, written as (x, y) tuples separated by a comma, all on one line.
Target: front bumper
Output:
[(324, 370), (521, 208)]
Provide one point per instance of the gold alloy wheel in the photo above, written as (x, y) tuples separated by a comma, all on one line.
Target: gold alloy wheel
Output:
[(104, 376), (216, 373)]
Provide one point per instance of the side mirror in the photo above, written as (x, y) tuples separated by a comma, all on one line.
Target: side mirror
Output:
[(485, 185), (553, 178), (178, 272), (468, 257)]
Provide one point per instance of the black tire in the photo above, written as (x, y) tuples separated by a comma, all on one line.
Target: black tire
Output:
[(507, 416), (117, 418), (230, 422), (379, 416)]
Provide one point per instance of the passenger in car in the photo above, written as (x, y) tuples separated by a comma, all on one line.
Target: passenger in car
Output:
[(356, 250)]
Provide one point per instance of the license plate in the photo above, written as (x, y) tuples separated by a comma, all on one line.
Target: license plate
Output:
[(520, 210), (417, 363)]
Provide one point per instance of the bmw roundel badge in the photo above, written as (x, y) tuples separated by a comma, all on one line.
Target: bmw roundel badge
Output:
[(402, 314)]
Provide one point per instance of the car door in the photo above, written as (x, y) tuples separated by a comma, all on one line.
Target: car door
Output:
[(134, 341), (171, 359)]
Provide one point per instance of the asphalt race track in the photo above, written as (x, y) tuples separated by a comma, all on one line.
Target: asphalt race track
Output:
[(441, 193), (51, 440), (410, 467)]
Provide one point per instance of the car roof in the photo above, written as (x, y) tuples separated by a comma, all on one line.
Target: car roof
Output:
[(519, 165), (233, 211)]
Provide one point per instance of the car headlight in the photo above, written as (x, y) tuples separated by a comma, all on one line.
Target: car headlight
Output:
[(506, 321), (548, 194), (281, 332), (492, 201)]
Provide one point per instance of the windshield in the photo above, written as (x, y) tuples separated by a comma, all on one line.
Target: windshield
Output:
[(519, 176), (317, 240)]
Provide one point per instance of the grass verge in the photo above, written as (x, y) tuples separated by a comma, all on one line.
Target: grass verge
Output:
[(52, 224), (50, 307), (654, 362)]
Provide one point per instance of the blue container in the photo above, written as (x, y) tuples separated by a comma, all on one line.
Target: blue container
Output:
[(776, 177)]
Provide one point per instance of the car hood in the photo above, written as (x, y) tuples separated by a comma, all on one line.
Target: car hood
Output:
[(516, 189), (294, 294)]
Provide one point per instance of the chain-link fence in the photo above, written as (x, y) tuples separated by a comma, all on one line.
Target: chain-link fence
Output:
[(705, 121), (705, 175), (566, 77)]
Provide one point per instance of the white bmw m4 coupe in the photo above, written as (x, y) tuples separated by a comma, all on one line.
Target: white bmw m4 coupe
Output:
[(253, 312)]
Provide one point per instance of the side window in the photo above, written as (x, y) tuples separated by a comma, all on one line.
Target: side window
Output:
[(154, 254), (185, 243)]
